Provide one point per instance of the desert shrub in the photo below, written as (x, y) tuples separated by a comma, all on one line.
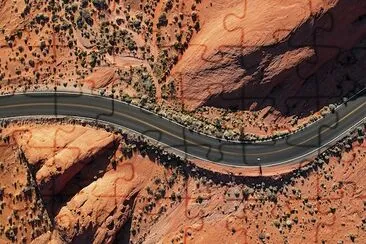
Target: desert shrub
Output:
[(100, 4), (168, 5), (332, 108), (131, 44), (31, 63), (84, 3), (199, 199), (163, 20), (86, 17), (42, 19), (360, 131)]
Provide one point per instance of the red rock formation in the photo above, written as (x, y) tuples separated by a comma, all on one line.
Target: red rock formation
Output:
[(265, 49)]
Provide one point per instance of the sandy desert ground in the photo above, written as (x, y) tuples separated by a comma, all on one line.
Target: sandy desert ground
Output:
[(221, 67), (115, 189)]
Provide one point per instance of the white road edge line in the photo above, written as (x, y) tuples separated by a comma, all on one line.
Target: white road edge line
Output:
[(167, 119), (180, 152)]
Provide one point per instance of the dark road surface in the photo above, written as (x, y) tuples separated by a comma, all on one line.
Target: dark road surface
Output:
[(296, 147)]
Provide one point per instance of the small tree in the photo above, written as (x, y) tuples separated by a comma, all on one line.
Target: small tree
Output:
[(100, 4), (163, 20)]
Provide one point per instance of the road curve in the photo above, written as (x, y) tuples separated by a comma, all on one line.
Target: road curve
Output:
[(296, 147)]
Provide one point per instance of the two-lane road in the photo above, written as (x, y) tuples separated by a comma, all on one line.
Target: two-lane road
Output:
[(296, 147)]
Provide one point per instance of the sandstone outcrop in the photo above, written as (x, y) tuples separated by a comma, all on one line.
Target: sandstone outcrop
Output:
[(262, 52)]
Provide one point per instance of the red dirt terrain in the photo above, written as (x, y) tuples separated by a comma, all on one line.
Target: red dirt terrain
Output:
[(229, 68), (114, 190), (274, 64), (220, 67), (262, 49)]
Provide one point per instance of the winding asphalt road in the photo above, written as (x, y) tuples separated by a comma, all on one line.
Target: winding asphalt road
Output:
[(293, 148)]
